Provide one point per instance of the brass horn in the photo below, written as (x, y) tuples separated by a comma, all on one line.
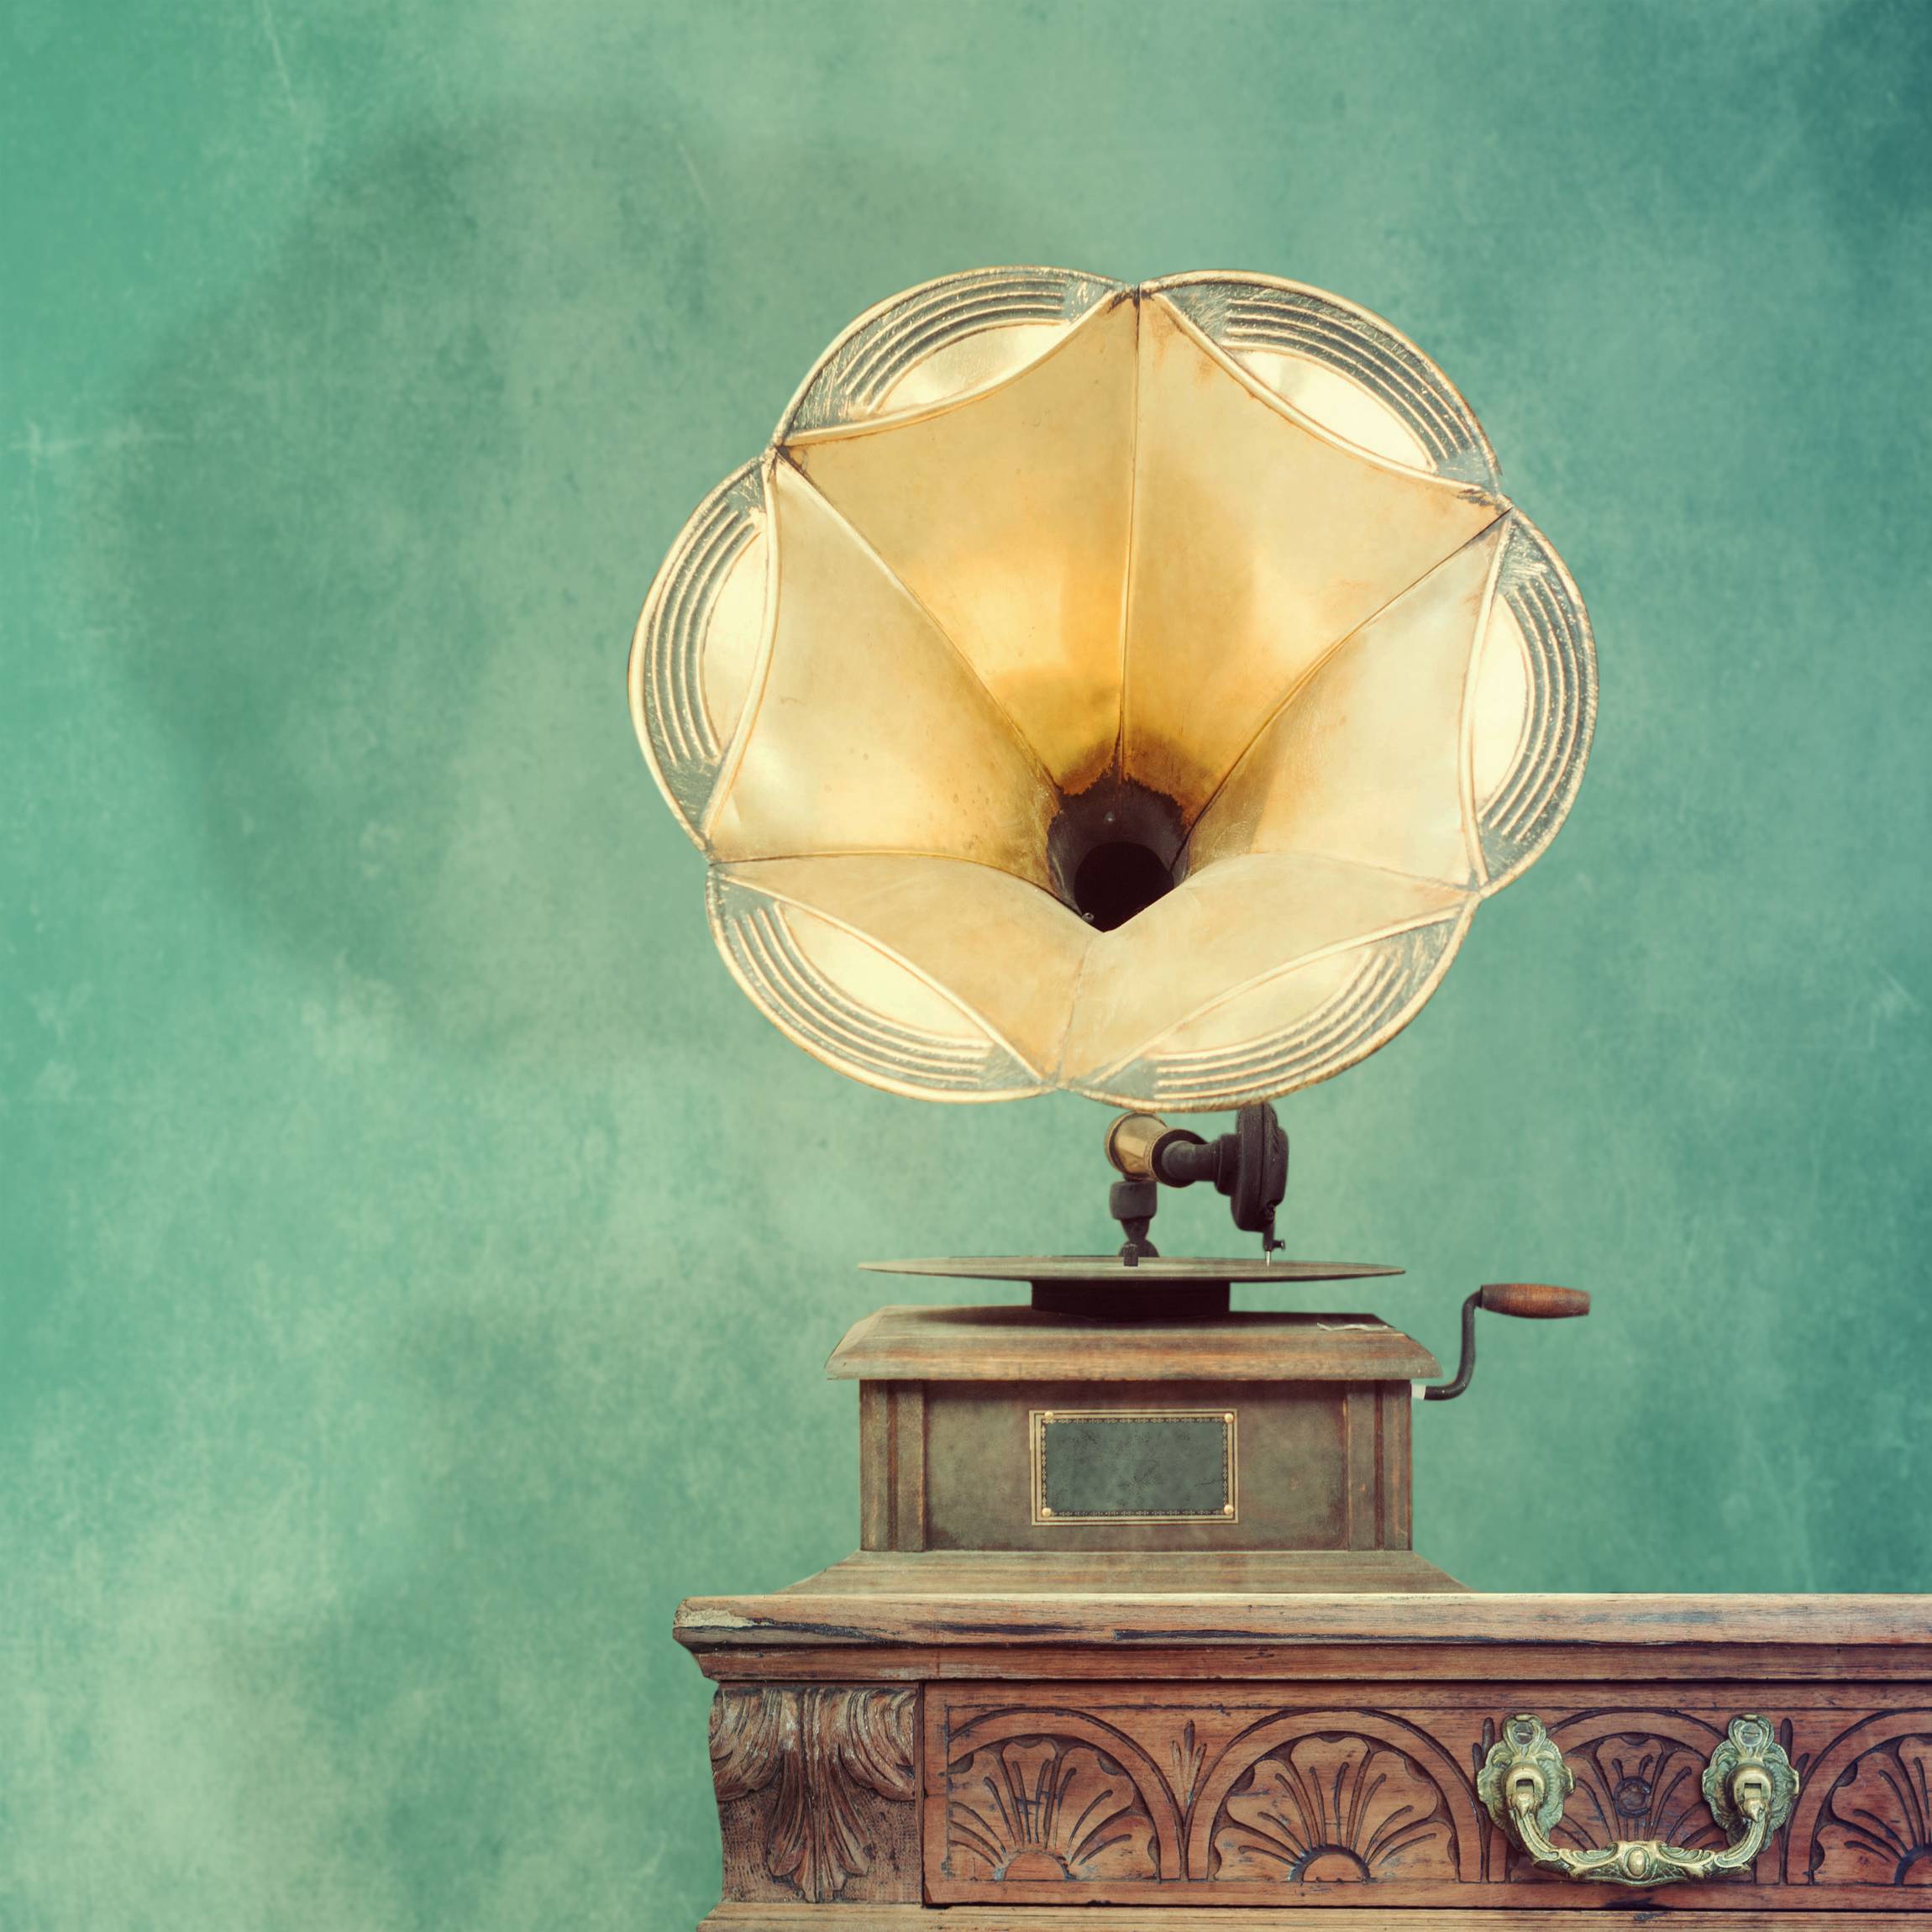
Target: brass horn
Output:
[(1130, 690)]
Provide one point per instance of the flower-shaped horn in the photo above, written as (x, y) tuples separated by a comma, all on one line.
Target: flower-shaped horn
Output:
[(1127, 690)]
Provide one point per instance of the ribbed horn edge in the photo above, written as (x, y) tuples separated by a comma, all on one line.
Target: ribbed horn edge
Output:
[(1394, 982), (763, 956), (665, 672), (1525, 812)]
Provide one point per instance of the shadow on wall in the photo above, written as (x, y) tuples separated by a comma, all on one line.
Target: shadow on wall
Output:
[(393, 512), (376, 551)]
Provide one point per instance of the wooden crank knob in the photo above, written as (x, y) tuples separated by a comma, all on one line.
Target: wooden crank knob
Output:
[(1536, 1300)]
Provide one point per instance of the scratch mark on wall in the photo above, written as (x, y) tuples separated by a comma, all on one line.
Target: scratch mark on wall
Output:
[(691, 169), (268, 28)]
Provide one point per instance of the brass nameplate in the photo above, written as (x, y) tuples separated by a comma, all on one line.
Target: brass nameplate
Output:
[(1135, 1465)]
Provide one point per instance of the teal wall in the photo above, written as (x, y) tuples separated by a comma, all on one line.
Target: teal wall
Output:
[(419, 1258)]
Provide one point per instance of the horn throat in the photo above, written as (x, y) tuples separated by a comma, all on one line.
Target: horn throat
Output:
[(1114, 849)]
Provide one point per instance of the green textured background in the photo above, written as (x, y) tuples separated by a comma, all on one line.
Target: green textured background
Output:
[(419, 1258)]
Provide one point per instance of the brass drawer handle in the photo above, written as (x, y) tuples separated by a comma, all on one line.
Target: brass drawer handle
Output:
[(1749, 1784)]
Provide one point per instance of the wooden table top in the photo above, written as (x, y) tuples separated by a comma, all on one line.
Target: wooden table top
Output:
[(1238, 1598)]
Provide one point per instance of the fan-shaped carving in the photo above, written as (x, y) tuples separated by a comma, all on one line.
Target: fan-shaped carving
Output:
[(1334, 1808), (1042, 1809), (1870, 1821)]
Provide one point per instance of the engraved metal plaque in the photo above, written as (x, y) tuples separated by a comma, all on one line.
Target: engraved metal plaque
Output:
[(1135, 1465)]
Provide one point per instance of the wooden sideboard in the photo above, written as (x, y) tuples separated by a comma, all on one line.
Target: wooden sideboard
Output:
[(977, 1742)]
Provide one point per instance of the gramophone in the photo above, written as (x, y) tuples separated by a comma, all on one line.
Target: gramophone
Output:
[(1134, 691)]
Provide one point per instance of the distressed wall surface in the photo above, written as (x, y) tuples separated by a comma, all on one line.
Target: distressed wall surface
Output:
[(419, 1258)]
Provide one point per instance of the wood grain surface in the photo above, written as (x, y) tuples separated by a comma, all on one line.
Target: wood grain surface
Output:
[(1015, 1735), (941, 1600), (1191, 1572), (1364, 1918), (1024, 1344), (1272, 1793)]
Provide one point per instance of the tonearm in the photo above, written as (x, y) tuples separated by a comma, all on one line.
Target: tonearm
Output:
[(1249, 1166)]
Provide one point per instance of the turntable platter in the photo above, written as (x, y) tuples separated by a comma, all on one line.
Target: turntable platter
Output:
[(1110, 1269), (1159, 1288)]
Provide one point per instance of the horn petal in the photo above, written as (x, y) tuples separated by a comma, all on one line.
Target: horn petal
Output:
[(1341, 367), (1259, 539), (839, 995), (1367, 757), (1307, 1024), (1546, 710), (1005, 954), (696, 642), (1224, 931), (867, 731), (1019, 562), (939, 342)]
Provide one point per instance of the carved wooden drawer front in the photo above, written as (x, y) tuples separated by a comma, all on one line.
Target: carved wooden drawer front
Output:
[(1283, 1794)]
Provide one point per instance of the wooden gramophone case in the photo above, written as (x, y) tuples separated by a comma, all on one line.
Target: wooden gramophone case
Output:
[(983, 1719)]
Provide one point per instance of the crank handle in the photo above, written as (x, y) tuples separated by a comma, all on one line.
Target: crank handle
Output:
[(1529, 1300)]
